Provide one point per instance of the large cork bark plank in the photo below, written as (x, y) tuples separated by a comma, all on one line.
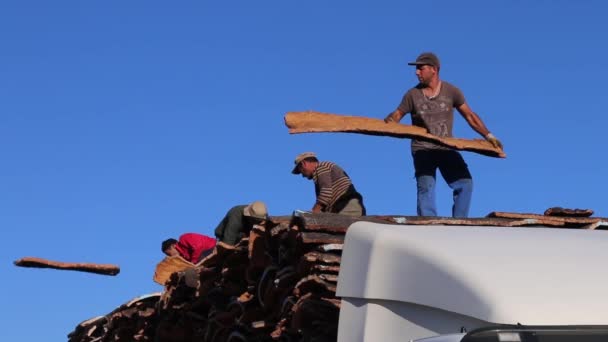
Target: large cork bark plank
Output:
[(104, 269), (316, 122)]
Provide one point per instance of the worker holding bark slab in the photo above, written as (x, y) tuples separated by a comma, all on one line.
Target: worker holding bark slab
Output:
[(432, 104), (334, 190)]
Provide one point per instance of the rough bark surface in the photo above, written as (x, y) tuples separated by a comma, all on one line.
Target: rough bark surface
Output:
[(105, 269), (548, 220), (559, 211), (168, 266), (316, 122)]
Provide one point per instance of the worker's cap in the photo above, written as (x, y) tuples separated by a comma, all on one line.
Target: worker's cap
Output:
[(299, 159), (257, 210), (426, 58)]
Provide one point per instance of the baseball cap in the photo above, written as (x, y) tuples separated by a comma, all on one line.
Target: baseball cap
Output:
[(426, 58), (299, 159)]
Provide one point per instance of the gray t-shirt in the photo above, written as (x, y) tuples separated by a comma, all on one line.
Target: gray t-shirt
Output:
[(435, 114)]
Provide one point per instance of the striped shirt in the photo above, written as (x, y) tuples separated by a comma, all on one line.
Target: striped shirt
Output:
[(331, 183)]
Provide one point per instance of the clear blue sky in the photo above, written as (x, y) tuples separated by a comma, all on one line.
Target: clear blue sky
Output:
[(123, 123)]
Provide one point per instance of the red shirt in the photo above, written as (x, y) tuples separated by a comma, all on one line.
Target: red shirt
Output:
[(191, 245)]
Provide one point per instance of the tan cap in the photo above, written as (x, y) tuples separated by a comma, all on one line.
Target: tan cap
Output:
[(257, 210), (426, 58), (299, 159)]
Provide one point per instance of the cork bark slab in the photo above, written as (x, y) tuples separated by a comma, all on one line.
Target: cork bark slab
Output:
[(105, 269), (168, 266), (571, 222), (559, 211), (315, 122)]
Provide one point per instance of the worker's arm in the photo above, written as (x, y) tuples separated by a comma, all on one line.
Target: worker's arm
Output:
[(317, 208), (230, 227), (406, 106), (187, 250), (475, 122), (233, 230), (188, 244), (395, 116), (325, 189)]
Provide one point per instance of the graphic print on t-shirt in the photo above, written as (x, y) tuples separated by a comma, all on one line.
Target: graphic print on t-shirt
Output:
[(436, 120), (436, 115)]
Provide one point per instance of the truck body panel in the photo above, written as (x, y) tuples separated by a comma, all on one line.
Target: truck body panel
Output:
[(419, 281)]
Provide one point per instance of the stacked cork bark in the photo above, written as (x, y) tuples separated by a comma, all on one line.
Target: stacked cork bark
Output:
[(278, 284), (135, 320)]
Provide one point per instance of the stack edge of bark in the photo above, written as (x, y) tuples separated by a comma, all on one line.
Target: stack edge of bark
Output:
[(278, 284)]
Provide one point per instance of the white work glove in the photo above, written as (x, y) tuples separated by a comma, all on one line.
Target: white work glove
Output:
[(494, 140)]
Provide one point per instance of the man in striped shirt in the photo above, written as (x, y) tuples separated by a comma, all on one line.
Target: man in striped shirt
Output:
[(334, 190)]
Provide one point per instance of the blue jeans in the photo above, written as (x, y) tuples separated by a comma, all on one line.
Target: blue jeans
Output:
[(454, 171)]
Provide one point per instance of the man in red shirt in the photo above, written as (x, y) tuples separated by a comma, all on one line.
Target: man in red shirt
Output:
[(193, 247)]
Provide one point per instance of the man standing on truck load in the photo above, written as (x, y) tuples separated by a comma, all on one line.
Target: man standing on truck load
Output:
[(239, 221), (334, 190), (432, 104)]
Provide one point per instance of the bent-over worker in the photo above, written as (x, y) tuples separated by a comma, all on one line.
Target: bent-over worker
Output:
[(334, 190), (193, 247), (239, 220)]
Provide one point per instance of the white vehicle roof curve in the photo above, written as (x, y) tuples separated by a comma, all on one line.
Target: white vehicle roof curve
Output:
[(532, 276)]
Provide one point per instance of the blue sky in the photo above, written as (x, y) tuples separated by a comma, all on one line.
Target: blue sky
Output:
[(123, 123)]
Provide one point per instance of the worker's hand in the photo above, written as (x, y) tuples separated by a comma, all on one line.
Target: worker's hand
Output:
[(494, 140), (389, 119), (317, 208), (258, 228)]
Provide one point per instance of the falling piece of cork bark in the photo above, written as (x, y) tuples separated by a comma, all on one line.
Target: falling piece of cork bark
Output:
[(316, 122), (105, 269)]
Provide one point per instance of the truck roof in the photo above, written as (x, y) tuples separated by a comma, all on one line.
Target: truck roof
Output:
[(532, 276)]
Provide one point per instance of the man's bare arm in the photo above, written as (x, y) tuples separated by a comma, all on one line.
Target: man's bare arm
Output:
[(395, 116), (476, 124), (317, 208)]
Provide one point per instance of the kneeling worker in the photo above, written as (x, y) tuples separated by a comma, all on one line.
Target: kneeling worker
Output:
[(193, 247), (334, 190)]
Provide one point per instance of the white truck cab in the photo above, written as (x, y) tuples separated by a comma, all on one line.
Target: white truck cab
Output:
[(478, 284)]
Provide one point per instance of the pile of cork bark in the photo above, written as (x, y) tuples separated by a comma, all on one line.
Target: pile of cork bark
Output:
[(278, 284), (132, 321)]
